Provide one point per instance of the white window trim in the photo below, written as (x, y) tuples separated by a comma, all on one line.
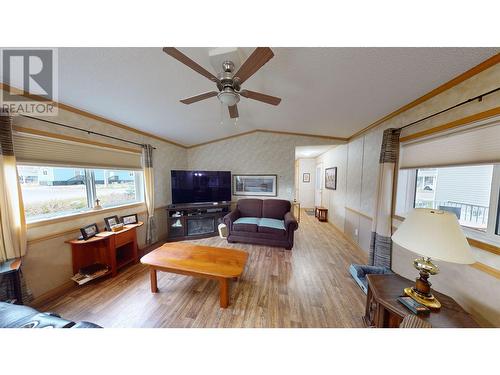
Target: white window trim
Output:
[(489, 236), (90, 188), (77, 215)]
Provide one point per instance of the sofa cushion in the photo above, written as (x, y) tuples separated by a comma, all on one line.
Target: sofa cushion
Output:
[(246, 224), (250, 207), (275, 208), (273, 226)]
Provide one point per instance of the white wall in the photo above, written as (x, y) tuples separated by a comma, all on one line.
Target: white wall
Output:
[(255, 153), (306, 189), (475, 290), (335, 200), (351, 206)]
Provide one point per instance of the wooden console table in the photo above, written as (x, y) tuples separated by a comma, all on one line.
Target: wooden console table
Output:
[(384, 311), (115, 249), (194, 221)]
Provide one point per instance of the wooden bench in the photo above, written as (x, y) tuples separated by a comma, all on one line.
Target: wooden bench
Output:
[(321, 213)]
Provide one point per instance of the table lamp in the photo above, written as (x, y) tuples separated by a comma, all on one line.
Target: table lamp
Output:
[(432, 234)]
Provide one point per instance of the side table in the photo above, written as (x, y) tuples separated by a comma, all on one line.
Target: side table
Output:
[(384, 311), (12, 268)]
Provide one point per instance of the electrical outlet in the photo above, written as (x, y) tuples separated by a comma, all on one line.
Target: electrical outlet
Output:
[(356, 232)]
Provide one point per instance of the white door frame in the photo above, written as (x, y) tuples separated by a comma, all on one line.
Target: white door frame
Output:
[(318, 188)]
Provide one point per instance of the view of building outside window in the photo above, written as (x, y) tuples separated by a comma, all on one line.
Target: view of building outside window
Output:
[(464, 191), (50, 192)]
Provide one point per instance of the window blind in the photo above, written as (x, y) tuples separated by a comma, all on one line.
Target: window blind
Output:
[(42, 150), (474, 144)]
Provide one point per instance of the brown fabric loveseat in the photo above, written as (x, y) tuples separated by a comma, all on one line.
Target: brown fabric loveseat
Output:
[(263, 222)]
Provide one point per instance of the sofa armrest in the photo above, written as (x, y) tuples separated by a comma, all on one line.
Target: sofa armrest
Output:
[(84, 324), (291, 223), (231, 217)]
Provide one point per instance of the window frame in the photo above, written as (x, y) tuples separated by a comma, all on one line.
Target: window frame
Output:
[(91, 194), (138, 182), (492, 233)]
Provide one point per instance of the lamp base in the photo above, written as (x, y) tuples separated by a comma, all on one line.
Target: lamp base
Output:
[(430, 302)]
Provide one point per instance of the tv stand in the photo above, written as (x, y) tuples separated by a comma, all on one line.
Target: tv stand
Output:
[(195, 220)]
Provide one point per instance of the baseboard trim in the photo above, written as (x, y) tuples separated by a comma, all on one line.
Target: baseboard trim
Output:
[(70, 285), (146, 249), (53, 294)]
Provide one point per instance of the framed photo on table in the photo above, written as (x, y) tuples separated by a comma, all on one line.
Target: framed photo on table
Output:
[(331, 178), (110, 221), (89, 231), (306, 177), (255, 185), (129, 219)]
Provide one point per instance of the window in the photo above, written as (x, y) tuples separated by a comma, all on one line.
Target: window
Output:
[(56, 193), (50, 192), (117, 187), (472, 193), (465, 191)]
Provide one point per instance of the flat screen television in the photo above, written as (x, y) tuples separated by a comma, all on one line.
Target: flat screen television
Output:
[(200, 186)]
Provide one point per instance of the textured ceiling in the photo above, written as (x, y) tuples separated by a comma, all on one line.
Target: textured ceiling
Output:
[(328, 91)]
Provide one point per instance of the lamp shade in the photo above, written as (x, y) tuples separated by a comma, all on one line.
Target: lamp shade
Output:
[(435, 234)]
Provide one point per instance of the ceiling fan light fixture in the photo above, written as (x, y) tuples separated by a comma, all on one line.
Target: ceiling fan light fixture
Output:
[(228, 97)]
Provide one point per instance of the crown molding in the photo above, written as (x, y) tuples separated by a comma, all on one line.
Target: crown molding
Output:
[(89, 115), (325, 137), (488, 63), (492, 61), (107, 121), (464, 121)]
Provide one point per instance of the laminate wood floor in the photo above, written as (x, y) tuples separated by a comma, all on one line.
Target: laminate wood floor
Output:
[(309, 286)]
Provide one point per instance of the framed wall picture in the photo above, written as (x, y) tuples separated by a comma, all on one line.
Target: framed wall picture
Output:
[(110, 221), (331, 178), (129, 219), (89, 231), (255, 185), (306, 177)]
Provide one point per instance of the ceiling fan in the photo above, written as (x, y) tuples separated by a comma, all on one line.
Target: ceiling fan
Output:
[(229, 83)]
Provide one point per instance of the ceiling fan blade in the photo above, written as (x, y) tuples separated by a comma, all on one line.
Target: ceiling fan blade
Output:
[(257, 59), (178, 55), (233, 111), (197, 98), (260, 97)]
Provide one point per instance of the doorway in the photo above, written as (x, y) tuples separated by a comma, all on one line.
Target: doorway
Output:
[(318, 190)]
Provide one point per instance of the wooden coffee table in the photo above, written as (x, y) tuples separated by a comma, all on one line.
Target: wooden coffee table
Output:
[(199, 261)]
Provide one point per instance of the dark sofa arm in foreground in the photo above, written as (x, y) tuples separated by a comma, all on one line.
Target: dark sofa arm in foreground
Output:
[(18, 316)]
